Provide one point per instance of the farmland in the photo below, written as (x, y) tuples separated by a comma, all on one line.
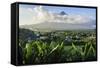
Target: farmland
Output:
[(56, 47)]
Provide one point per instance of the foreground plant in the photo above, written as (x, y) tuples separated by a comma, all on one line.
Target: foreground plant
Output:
[(38, 52)]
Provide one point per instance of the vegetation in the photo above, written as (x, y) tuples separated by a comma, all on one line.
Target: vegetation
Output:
[(57, 47)]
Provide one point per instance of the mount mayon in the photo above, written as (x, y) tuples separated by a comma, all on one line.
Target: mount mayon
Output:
[(53, 25), (47, 26)]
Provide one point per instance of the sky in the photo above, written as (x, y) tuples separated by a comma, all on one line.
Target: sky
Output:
[(35, 14)]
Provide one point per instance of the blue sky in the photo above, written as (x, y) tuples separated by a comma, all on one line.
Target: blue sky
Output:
[(26, 16), (69, 10)]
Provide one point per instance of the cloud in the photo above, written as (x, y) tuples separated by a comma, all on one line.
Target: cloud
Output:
[(40, 15), (43, 15), (30, 9)]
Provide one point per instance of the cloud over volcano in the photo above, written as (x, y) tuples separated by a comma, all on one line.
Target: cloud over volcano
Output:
[(39, 15)]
